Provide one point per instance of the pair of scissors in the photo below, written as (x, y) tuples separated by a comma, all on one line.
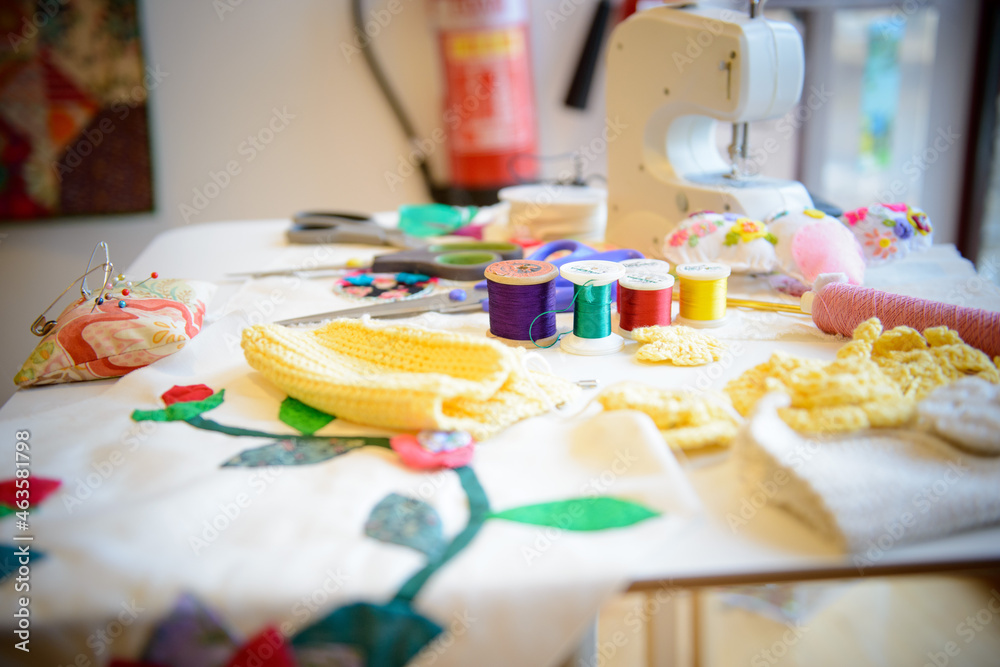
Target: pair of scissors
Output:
[(463, 261), (339, 227), (461, 300)]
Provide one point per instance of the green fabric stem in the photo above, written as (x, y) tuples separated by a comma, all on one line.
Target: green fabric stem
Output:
[(209, 425), (479, 511), (592, 313)]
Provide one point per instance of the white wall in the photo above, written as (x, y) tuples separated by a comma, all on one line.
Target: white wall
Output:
[(224, 77)]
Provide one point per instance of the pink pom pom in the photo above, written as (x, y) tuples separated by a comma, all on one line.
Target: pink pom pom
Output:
[(827, 246)]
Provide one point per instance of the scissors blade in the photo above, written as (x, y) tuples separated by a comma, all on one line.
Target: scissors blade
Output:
[(442, 302)]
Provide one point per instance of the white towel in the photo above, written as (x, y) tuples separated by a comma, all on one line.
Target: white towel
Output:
[(877, 488)]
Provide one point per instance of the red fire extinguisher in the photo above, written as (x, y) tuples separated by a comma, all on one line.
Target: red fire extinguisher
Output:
[(489, 102)]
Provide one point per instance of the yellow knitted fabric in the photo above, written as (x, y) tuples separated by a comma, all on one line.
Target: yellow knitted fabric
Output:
[(404, 377), (875, 381), (687, 421), (681, 346)]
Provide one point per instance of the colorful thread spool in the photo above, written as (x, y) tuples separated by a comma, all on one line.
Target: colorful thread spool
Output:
[(642, 265), (644, 300), (593, 287), (522, 300), (703, 294)]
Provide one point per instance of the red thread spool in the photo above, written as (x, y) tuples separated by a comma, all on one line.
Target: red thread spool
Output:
[(644, 300), (641, 265)]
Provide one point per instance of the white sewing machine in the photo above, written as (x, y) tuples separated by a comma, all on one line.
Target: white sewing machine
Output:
[(672, 75)]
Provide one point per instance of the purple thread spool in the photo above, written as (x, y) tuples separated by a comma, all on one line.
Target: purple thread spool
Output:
[(520, 290)]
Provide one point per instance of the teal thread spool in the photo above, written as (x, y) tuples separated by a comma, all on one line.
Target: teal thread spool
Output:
[(593, 293)]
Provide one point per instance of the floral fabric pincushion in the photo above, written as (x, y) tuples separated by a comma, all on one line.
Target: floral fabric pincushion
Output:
[(742, 244), (888, 232), (92, 342)]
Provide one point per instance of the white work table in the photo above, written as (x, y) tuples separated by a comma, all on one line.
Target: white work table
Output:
[(768, 545)]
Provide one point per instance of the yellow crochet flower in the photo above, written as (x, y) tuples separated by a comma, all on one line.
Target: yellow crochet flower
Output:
[(404, 377), (687, 421), (875, 381), (679, 345)]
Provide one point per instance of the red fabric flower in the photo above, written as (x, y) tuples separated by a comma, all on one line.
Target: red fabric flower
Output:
[(267, 649), (856, 216), (39, 488), (186, 393), (430, 450)]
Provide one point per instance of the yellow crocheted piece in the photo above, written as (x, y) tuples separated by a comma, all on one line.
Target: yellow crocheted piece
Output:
[(919, 364), (686, 420), (404, 377), (681, 346), (875, 381)]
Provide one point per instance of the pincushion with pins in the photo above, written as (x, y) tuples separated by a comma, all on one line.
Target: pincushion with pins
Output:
[(122, 327)]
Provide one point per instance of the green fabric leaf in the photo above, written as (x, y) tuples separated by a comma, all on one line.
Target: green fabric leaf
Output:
[(180, 411), (297, 451), (581, 514), (6, 510), (408, 522), (301, 417), (389, 635)]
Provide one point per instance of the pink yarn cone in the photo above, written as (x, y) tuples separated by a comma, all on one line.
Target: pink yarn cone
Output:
[(839, 308)]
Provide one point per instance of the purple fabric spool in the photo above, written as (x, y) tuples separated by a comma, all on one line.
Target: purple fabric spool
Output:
[(520, 291)]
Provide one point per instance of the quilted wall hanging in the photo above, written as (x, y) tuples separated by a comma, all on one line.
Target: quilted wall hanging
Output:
[(74, 135)]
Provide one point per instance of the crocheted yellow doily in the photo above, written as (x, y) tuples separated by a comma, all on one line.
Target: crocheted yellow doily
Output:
[(687, 421), (875, 381), (404, 377), (681, 346)]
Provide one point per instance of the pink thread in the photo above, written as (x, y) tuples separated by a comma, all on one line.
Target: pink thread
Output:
[(840, 308)]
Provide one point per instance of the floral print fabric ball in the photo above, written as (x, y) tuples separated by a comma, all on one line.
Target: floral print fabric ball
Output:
[(889, 231)]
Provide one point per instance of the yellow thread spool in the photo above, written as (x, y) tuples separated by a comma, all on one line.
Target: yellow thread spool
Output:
[(703, 294)]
